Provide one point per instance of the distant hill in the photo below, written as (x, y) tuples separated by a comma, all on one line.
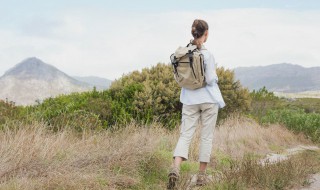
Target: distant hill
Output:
[(280, 77), (100, 83), (32, 80)]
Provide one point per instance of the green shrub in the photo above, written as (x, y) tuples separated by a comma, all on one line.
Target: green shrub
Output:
[(63, 111), (296, 120), (262, 101), (154, 95)]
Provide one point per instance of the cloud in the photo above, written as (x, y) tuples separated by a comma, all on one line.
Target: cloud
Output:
[(108, 44), (41, 27)]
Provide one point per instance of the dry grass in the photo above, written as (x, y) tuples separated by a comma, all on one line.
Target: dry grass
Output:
[(135, 157), (34, 158), (248, 173), (238, 136)]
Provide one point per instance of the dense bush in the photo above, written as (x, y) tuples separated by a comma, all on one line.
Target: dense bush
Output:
[(297, 120), (153, 94), (149, 95), (78, 110)]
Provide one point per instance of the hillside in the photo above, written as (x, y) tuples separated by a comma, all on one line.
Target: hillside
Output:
[(32, 80), (280, 77)]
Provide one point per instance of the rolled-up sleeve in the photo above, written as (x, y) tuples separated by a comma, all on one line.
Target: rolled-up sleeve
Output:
[(210, 72)]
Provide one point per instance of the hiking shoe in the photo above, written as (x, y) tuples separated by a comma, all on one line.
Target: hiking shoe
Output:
[(173, 177), (202, 179)]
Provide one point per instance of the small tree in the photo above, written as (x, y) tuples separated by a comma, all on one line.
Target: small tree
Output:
[(262, 100)]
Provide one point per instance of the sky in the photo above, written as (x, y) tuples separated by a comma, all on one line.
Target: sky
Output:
[(111, 38)]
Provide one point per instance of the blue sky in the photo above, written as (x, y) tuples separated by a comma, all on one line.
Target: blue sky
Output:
[(23, 6), (83, 37)]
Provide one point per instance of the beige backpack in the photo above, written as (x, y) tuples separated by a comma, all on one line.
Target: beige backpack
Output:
[(188, 67)]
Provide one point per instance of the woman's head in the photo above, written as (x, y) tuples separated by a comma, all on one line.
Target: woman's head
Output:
[(200, 30)]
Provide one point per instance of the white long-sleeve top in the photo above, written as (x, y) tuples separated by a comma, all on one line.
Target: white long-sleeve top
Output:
[(209, 93)]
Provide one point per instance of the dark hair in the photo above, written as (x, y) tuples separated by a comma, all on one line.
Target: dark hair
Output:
[(199, 27)]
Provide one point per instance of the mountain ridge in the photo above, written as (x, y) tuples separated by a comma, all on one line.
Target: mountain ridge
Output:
[(282, 77), (32, 80)]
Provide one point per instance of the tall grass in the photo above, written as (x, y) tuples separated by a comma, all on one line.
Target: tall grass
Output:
[(135, 156), (35, 158)]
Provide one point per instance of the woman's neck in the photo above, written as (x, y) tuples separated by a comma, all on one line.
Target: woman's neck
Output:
[(198, 42)]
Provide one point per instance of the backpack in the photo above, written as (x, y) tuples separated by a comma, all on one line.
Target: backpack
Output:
[(188, 67)]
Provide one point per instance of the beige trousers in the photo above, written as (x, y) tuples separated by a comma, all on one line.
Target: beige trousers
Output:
[(207, 113)]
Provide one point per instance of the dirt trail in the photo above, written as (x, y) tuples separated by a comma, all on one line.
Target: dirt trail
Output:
[(314, 179), (315, 183), (273, 158)]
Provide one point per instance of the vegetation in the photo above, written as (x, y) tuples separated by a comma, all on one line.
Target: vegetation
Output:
[(138, 157), (301, 115), (149, 95), (8, 112), (297, 120), (104, 139), (248, 173), (236, 97), (146, 96), (262, 100), (153, 95)]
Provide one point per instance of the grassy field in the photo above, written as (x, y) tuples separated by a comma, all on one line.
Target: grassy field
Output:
[(100, 140), (138, 157)]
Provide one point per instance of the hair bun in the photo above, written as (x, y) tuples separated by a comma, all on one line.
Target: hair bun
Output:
[(198, 28)]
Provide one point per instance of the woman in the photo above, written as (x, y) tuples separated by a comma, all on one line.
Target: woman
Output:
[(200, 104)]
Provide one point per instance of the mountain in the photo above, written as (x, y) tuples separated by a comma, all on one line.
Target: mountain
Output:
[(100, 83), (282, 77), (32, 80)]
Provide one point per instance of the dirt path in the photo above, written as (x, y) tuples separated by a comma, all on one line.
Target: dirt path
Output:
[(314, 179), (315, 183), (273, 158)]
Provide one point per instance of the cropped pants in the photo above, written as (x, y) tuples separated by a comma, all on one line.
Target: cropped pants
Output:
[(191, 114)]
